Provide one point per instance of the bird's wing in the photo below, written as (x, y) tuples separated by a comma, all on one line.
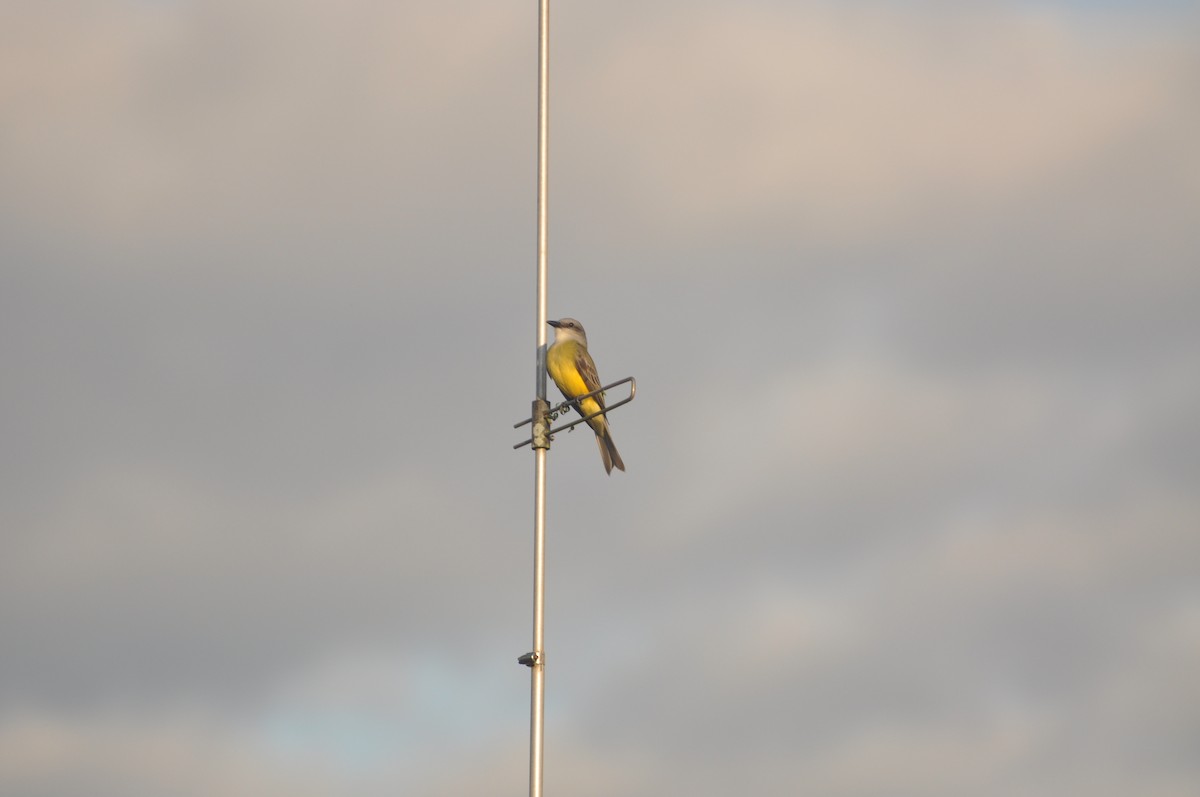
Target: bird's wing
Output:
[(587, 369)]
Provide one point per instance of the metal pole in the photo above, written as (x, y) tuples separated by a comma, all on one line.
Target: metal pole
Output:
[(541, 423)]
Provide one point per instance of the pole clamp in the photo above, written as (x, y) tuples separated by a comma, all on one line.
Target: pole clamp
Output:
[(541, 423)]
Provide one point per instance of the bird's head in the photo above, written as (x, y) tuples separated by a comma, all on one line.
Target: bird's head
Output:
[(568, 329)]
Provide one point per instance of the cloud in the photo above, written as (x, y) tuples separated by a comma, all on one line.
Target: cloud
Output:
[(860, 433), (145, 126), (835, 121), (184, 752), (149, 123), (140, 583), (1016, 651)]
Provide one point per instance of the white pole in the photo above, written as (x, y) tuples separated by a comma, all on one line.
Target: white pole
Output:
[(541, 425)]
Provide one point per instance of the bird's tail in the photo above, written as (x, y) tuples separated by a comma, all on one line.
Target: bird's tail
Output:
[(608, 451)]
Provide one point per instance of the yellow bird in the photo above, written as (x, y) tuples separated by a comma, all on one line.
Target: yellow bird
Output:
[(572, 369)]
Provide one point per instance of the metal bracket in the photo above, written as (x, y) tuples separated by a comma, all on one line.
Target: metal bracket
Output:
[(541, 424), (567, 405), (530, 659)]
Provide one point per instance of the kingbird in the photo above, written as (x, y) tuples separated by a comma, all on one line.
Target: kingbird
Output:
[(572, 369)]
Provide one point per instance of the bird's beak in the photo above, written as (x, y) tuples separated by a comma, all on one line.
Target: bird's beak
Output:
[(554, 324)]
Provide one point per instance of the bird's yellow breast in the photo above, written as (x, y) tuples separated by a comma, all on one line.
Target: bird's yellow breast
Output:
[(560, 364)]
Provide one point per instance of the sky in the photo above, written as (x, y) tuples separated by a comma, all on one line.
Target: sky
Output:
[(911, 293)]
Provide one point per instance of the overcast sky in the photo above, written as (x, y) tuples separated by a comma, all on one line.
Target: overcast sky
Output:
[(911, 293)]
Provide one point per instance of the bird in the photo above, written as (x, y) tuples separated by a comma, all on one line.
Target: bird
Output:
[(572, 369)]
